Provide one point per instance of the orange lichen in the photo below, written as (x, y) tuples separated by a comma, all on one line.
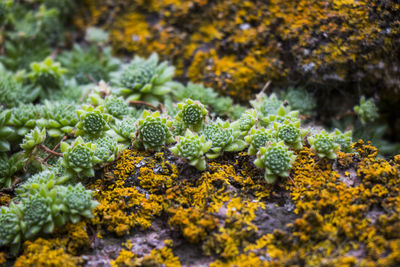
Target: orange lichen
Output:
[(157, 257), (43, 252)]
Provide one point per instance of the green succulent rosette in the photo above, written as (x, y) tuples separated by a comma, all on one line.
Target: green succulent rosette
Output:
[(11, 230), (344, 140), (276, 159), (5, 131), (153, 131), (367, 111), (246, 122), (9, 165), (146, 79), (93, 122), (32, 140), (192, 114), (59, 118), (23, 119), (124, 130), (223, 138), (257, 138), (107, 148), (47, 74), (290, 133), (77, 202), (324, 145), (282, 114), (78, 158), (192, 147)]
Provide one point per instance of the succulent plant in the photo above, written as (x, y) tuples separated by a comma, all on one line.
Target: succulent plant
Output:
[(344, 140), (192, 114), (290, 133), (246, 121), (5, 131), (93, 122), (192, 147), (59, 118), (125, 130), (47, 74), (146, 80), (77, 202), (9, 165), (282, 114), (299, 99), (153, 131), (178, 128), (257, 138), (10, 230), (367, 110), (89, 64), (107, 148), (267, 105), (33, 139), (79, 158), (39, 211), (223, 138), (277, 160), (23, 118), (46, 178), (324, 145), (13, 92), (116, 106)]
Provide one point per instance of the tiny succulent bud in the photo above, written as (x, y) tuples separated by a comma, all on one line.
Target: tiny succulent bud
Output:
[(246, 122), (277, 160), (192, 147)]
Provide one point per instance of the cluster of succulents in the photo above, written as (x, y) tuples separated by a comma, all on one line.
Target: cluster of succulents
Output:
[(367, 110), (90, 108)]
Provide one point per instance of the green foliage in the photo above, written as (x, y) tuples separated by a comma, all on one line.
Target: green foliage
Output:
[(46, 178), (79, 158), (367, 110), (192, 147), (96, 35), (153, 131), (324, 144), (192, 114), (277, 160), (9, 165), (93, 122), (146, 80), (280, 116), (223, 138), (257, 138)]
